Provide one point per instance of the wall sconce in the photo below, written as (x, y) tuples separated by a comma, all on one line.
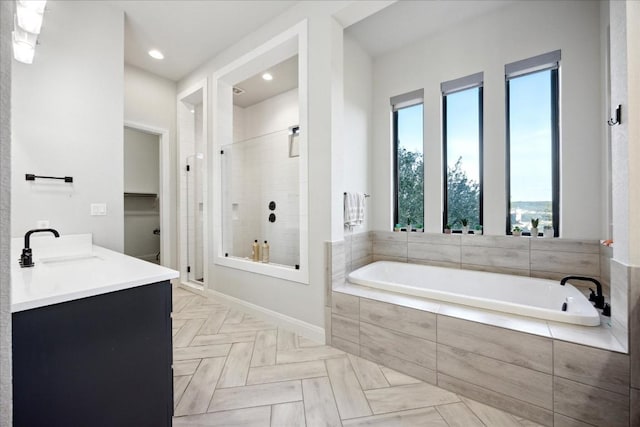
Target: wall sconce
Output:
[(26, 27), (618, 118)]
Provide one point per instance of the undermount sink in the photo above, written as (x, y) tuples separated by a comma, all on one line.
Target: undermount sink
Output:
[(79, 258)]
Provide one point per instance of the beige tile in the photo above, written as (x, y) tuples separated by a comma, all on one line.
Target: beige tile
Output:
[(389, 236), (424, 417), (346, 389), (286, 340), (255, 395), (185, 367), (525, 384), (327, 325), (495, 257), (345, 345), (566, 245), (187, 332), (288, 414), (592, 366), (249, 417), (408, 368), (497, 400), (223, 338), (459, 415), (254, 325), (397, 378), (491, 416), (201, 351), (619, 296), (566, 262), (213, 323), (377, 257), (195, 398), (528, 351), (390, 249), (319, 405), (264, 351), (307, 354), (345, 328), (599, 337), (435, 238), (180, 302), (493, 269), (434, 252), (410, 396), (590, 404), (369, 374), (635, 407), (361, 262), (306, 342), (286, 372), (412, 349), (178, 323), (236, 368), (560, 420), (345, 305), (391, 316), (182, 315), (634, 332), (179, 386), (507, 242), (234, 317), (444, 264)]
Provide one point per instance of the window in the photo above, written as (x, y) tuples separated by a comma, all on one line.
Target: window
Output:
[(462, 151), (408, 159), (533, 143)]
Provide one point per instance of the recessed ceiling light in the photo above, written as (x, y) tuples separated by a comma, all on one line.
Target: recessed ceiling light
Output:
[(155, 53), (267, 76)]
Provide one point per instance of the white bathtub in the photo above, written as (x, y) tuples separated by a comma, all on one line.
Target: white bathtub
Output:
[(525, 296)]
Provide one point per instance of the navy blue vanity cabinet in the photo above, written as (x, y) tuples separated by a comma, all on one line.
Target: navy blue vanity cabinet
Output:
[(103, 360)]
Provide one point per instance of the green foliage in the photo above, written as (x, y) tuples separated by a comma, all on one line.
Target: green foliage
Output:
[(463, 196), (411, 187), (534, 222)]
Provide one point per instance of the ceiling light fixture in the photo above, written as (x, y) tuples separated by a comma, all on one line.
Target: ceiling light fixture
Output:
[(156, 54), (267, 77)]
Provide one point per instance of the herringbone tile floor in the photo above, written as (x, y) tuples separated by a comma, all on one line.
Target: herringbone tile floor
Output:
[(231, 369)]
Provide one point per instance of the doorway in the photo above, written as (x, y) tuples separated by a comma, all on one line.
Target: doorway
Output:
[(144, 194)]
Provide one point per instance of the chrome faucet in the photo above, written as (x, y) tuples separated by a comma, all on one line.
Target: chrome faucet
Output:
[(26, 259)]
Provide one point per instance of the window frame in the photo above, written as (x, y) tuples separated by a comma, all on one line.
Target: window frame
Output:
[(478, 80), (537, 65), (399, 102)]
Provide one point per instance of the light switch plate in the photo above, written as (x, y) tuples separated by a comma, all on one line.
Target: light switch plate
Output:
[(98, 209)]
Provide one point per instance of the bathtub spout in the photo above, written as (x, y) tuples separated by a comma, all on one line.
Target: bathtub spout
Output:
[(596, 297)]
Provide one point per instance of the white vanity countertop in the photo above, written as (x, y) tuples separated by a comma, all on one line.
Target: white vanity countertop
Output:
[(71, 268)]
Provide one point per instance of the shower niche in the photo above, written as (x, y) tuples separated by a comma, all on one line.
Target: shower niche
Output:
[(262, 163), (193, 186)]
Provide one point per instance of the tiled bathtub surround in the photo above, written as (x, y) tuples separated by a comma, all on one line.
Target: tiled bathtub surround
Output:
[(524, 369), (524, 256)]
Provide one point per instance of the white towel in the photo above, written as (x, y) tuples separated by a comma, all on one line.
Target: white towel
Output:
[(353, 209)]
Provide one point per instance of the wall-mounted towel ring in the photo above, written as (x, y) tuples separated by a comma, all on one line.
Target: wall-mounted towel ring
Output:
[(618, 119)]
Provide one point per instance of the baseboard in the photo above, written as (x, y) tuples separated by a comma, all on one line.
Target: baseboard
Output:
[(300, 327)]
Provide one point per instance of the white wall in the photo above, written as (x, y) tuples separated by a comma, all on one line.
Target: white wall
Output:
[(358, 95), (518, 31), (150, 100), (141, 162), (67, 120), (292, 299)]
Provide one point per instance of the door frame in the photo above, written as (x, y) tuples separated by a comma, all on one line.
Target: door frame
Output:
[(164, 188)]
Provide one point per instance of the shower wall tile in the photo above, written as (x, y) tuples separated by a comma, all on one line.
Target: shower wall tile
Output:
[(432, 263), (390, 248), (495, 257), (434, 238), (347, 329), (390, 236), (434, 252), (635, 407), (582, 264), (337, 263), (346, 305), (328, 283), (493, 269), (377, 257)]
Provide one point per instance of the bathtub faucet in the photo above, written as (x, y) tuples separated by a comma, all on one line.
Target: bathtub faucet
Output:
[(596, 297)]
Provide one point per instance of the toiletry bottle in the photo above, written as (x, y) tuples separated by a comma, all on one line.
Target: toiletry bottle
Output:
[(255, 251), (265, 252)]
